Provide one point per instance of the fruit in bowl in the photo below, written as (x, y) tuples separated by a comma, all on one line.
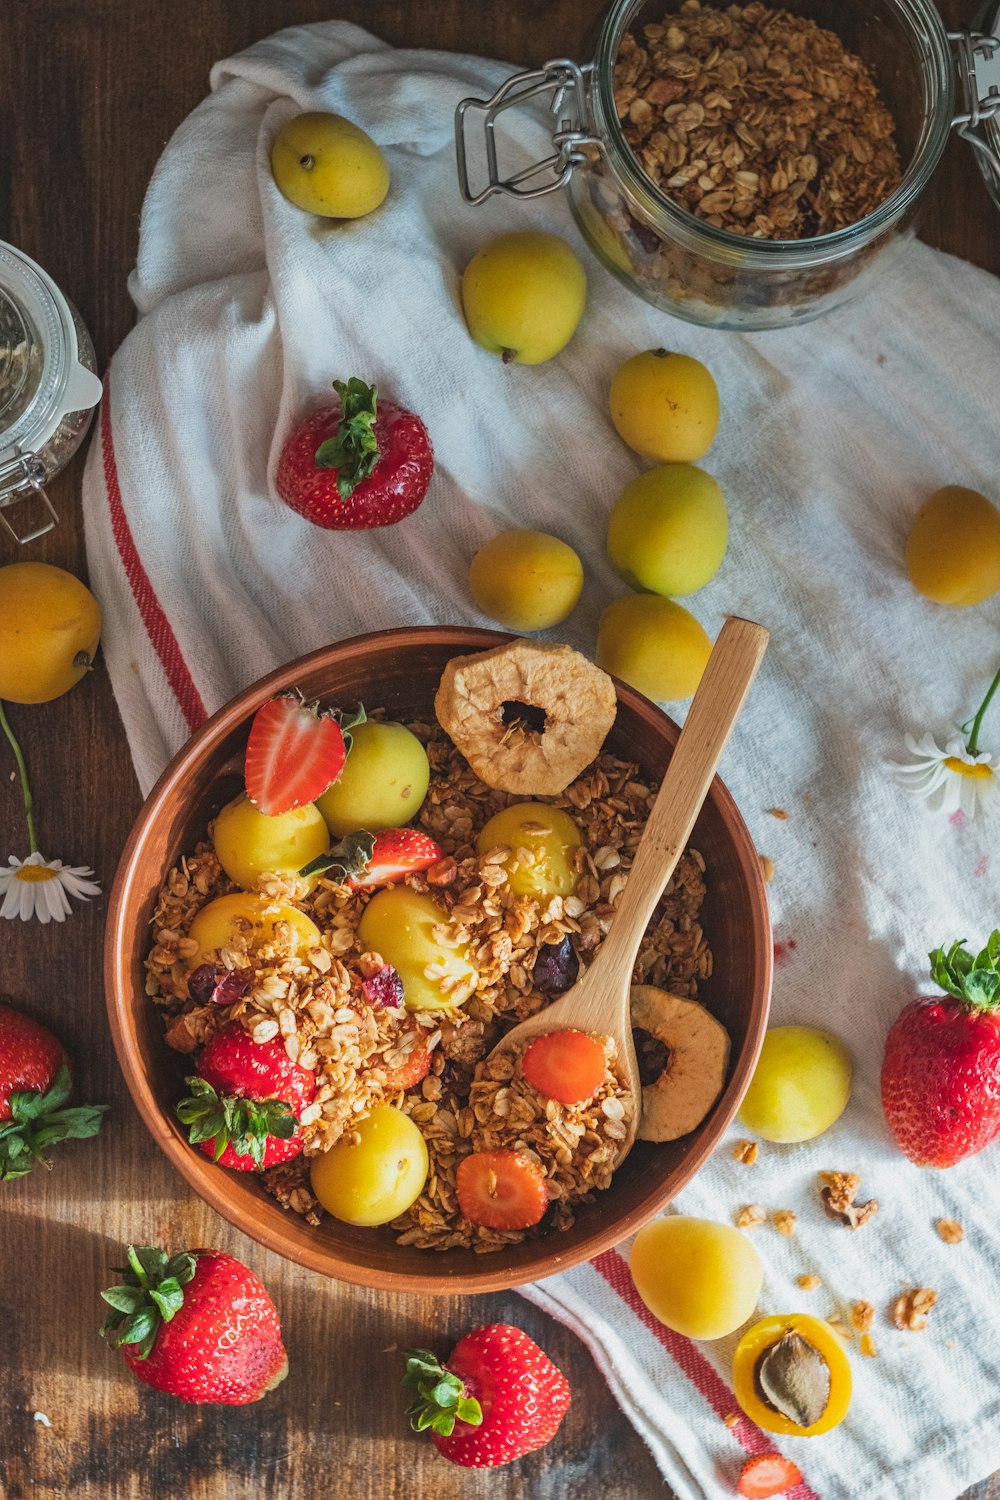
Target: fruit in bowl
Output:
[(428, 1050)]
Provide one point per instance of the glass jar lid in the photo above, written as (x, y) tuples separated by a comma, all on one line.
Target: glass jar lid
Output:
[(37, 354)]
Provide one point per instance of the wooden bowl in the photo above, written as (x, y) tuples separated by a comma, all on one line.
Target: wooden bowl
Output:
[(399, 671)]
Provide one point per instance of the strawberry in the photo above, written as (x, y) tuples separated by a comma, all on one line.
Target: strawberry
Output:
[(35, 1083), (767, 1474), (565, 1065), (357, 464), (941, 1069), (498, 1397), (362, 861), (502, 1189), (295, 753), (245, 1101), (199, 1326)]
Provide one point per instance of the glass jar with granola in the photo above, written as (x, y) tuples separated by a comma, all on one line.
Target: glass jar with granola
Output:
[(48, 390), (750, 167)]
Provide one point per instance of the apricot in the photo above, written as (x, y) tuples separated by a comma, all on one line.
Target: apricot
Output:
[(523, 296), (51, 626), (665, 406), (654, 645), (329, 166), (953, 550), (249, 843), (669, 530), (526, 580), (383, 783), (800, 1086), (700, 1278)]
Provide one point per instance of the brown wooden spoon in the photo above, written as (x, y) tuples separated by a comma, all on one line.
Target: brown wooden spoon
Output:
[(599, 1001)]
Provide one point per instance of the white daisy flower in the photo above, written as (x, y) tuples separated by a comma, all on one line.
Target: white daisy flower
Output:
[(953, 780), (39, 887)]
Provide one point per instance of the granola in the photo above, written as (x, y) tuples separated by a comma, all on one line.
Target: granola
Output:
[(950, 1231), (909, 1311), (838, 1191), (311, 996), (758, 121)]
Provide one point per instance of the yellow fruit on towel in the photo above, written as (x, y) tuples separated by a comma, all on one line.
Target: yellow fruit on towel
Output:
[(329, 166)]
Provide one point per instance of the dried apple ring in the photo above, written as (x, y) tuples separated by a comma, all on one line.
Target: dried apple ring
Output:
[(527, 716), (694, 1069)]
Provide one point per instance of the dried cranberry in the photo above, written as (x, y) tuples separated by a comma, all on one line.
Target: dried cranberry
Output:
[(556, 967), (231, 987), (384, 987), (202, 982), (209, 985)]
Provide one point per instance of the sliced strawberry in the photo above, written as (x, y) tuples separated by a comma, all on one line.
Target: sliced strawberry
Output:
[(767, 1474), (501, 1189), (294, 753), (567, 1066), (398, 852), (362, 861), (411, 1072)]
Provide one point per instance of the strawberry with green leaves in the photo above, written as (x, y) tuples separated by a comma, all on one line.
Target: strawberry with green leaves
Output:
[(941, 1069), (245, 1101), (198, 1325), (364, 861), (35, 1085), (360, 463), (295, 752), (498, 1397)]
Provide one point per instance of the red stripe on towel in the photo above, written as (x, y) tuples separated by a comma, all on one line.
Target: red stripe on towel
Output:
[(692, 1362), (157, 625)]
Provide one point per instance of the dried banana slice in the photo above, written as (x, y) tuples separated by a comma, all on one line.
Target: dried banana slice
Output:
[(695, 1070), (488, 704)]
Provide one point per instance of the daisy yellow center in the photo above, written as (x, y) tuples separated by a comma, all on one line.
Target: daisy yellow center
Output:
[(980, 772), (34, 874)]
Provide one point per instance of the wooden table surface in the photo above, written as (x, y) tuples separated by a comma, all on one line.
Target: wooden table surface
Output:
[(90, 90)]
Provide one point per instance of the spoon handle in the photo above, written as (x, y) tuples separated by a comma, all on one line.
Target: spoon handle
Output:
[(721, 693)]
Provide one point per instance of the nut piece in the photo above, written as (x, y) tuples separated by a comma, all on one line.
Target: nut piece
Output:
[(751, 1216), (950, 1231), (867, 1346), (784, 1222), (838, 1191), (909, 1311), (863, 1317), (746, 1152), (695, 1070), (577, 702), (809, 1282), (766, 868)]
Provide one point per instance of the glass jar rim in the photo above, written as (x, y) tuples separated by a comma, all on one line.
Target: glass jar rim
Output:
[(36, 294), (926, 25)]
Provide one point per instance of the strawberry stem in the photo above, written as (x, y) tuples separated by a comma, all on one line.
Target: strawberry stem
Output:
[(153, 1293), (38, 1120), (353, 451), (244, 1123), (973, 979), (440, 1401)]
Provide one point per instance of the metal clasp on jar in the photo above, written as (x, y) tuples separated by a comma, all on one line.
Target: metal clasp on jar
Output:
[(977, 57), (22, 479), (567, 83)]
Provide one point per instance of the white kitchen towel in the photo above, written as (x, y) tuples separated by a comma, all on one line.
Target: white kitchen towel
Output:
[(832, 435)]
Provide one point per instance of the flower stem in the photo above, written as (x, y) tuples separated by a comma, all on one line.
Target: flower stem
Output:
[(973, 744), (23, 773)]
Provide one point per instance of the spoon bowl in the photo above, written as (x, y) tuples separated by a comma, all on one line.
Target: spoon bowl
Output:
[(599, 1002)]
